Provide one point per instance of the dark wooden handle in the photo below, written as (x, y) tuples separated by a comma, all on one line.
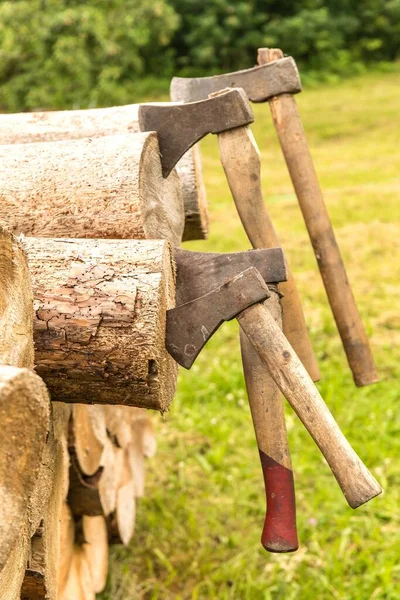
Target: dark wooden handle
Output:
[(279, 531), (294, 145)]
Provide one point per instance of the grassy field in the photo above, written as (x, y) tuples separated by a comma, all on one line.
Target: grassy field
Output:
[(198, 528)]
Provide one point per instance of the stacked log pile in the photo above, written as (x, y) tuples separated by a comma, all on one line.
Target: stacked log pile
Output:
[(96, 314)]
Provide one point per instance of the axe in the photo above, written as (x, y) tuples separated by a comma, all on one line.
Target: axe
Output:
[(191, 324), (190, 122), (179, 126), (275, 80)]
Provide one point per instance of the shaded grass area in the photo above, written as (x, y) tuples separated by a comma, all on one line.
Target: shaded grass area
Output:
[(199, 526)]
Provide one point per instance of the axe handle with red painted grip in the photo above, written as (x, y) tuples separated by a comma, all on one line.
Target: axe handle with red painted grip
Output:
[(300, 165), (355, 480), (279, 532)]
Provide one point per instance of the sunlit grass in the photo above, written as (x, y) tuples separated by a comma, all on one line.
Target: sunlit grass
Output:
[(198, 528)]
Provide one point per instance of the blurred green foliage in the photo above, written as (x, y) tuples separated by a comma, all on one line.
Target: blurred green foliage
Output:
[(72, 53)]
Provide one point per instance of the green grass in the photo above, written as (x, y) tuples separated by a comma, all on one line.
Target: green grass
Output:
[(198, 529)]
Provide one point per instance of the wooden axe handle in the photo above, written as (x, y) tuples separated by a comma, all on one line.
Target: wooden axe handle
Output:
[(286, 369), (302, 172), (240, 159), (279, 532)]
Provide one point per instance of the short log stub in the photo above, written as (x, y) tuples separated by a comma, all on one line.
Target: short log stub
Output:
[(51, 126), (104, 187), (99, 325)]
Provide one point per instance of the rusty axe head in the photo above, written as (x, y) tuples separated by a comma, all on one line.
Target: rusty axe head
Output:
[(180, 126), (260, 83), (213, 288)]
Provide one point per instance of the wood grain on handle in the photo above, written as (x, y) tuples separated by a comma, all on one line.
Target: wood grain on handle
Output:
[(355, 480), (294, 145), (279, 532), (240, 159)]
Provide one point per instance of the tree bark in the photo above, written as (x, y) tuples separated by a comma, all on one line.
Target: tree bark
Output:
[(50, 126), (105, 187), (99, 323)]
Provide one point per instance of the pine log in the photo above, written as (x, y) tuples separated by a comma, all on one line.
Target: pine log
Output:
[(22, 128), (105, 187), (12, 573), (25, 416), (99, 322), (41, 577)]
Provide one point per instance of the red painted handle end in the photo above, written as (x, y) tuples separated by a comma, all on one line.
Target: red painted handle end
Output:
[(279, 533)]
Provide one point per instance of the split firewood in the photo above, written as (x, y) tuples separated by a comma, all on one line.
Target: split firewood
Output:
[(67, 536), (99, 322), (12, 573), (96, 550), (79, 584), (88, 436), (105, 187), (50, 126)]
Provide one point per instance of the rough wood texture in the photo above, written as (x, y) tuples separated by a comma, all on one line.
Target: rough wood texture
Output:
[(356, 482), (240, 159), (99, 321), (107, 187), (22, 397), (279, 532), (305, 182), (12, 573), (22, 128), (67, 536), (16, 330)]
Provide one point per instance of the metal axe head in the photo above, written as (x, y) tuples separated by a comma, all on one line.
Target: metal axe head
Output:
[(213, 288), (260, 83), (180, 126)]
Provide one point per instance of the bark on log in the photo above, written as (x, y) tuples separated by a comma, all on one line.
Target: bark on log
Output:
[(22, 128), (99, 322), (105, 187)]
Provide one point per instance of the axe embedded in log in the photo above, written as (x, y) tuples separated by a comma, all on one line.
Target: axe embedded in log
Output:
[(190, 325)]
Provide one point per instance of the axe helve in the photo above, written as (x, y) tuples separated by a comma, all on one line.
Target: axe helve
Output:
[(198, 272), (187, 335), (277, 86)]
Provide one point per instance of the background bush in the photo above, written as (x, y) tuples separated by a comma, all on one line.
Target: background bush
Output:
[(70, 53)]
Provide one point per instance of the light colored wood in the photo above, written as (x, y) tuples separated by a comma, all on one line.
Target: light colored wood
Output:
[(300, 165), (105, 187), (96, 550), (24, 408), (16, 298), (12, 573), (79, 585), (240, 159), (99, 326), (189, 169), (67, 535), (50, 126), (356, 482), (89, 436)]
